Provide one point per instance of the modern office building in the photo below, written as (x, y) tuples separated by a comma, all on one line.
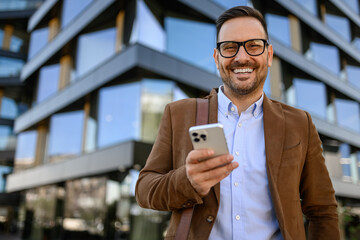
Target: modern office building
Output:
[(13, 51), (99, 73)]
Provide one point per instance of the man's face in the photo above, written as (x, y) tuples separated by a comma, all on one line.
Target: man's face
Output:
[(243, 74)]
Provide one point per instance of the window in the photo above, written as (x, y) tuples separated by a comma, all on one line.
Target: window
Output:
[(16, 44), (48, 81), (191, 41), (65, 134), (25, 149), (233, 3), (267, 85), (340, 25), (1, 38), (309, 5), (4, 170), (10, 67), (356, 43), (279, 28), (345, 161), (9, 109), (147, 30), (38, 40), (6, 138), (326, 56), (311, 96), (353, 75), (89, 54), (119, 114), (71, 9), (348, 114), (353, 4)]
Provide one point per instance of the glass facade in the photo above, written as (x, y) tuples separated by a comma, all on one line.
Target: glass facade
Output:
[(65, 135), (191, 41), (71, 9), (309, 5), (10, 67), (340, 25), (345, 161), (6, 138), (12, 5), (353, 75), (279, 28), (89, 54), (16, 44), (1, 38), (353, 4), (326, 56), (48, 81), (226, 4), (38, 40), (9, 108), (311, 96), (348, 114), (25, 149), (4, 170)]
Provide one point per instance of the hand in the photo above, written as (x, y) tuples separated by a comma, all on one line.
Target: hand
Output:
[(204, 171)]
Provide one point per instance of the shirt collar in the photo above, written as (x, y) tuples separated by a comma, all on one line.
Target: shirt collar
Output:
[(226, 107)]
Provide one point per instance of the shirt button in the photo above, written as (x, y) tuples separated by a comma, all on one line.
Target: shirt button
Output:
[(237, 153), (237, 217), (236, 184), (232, 109), (240, 125), (210, 219)]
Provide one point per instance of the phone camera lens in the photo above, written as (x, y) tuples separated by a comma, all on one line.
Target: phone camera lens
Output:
[(196, 139), (203, 136), (195, 134)]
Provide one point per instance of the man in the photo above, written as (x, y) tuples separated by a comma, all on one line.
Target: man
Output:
[(275, 172)]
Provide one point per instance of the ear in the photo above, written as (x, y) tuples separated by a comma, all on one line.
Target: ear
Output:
[(216, 57), (270, 55)]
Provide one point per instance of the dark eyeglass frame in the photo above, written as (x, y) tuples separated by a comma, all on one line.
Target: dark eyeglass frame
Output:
[(266, 43)]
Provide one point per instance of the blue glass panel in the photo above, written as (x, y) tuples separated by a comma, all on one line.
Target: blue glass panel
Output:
[(16, 44), (119, 114), (191, 41), (326, 56), (309, 5), (89, 54), (9, 108), (48, 81), (267, 85), (66, 133), (345, 150), (25, 148), (311, 96), (353, 74), (10, 67), (71, 9), (356, 42), (179, 94), (38, 40), (353, 4), (5, 137), (147, 30), (232, 3), (1, 37), (3, 171), (348, 114), (340, 25), (19, 4), (279, 28)]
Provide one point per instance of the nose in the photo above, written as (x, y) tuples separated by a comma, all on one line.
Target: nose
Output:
[(241, 55)]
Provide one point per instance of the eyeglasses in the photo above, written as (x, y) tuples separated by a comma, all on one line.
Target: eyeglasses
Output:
[(253, 47)]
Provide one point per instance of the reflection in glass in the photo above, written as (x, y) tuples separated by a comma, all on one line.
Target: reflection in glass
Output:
[(233, 3), (48, 81), (16, 44), (353, 4), (65, 134), (6, 138), (309, 5), (326, 56), (311, 96), (345, 161), (25, 149), (147, 30), (71, 9), (9, 109), (279, 28), (353, 74), (119, 114), (191, 41), (89, 54), (10, 67), (340, 25), (4, 170), (348, 114), (38, 40)]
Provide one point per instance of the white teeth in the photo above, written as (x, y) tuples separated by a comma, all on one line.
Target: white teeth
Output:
[(243, 70)]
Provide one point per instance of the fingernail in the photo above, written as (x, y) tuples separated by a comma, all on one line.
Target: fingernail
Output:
[(234, 164), (210, 152)]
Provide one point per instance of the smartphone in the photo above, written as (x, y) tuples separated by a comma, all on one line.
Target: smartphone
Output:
[(209, 136)]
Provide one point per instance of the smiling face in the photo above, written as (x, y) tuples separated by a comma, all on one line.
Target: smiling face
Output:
[(243, 74)]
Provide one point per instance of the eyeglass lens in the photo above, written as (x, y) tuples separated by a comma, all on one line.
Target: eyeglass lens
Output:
[(252, 47)]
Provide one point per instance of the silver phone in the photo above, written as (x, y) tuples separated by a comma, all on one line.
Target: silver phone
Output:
[(209, 136)]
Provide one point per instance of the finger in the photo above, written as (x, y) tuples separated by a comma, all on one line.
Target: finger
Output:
[(215, 175), (214, 162), (195, 156)]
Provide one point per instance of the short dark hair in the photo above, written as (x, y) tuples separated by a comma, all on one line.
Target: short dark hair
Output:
[(240, 11)]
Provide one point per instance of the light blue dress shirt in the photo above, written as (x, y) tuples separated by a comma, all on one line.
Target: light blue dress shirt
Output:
[(246, 211)]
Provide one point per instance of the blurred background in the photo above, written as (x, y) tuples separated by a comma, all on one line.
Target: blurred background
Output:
[(83, 84)]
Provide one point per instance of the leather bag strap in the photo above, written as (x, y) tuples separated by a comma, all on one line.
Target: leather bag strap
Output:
[(202, 117)]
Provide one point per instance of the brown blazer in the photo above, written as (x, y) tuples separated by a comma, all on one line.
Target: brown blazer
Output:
[(298, 179)]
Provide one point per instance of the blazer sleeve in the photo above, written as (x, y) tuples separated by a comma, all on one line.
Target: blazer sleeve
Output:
[(163, 184), (317, 193)]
